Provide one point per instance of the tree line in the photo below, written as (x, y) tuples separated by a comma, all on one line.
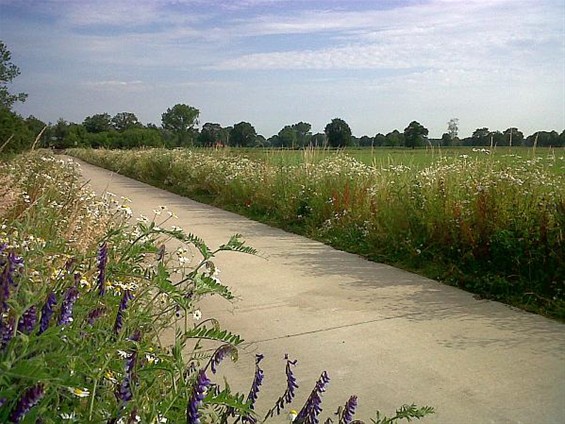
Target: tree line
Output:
[(179, 128)]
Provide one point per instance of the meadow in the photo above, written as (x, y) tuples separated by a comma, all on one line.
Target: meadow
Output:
[(490, 221), (86, 290)]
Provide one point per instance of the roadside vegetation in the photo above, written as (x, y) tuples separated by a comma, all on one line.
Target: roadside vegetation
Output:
[(86, 293), (488, 221)]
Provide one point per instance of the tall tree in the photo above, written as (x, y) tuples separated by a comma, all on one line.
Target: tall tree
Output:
[(481, 137), (212, 134), (243, 135), (8, 71), (125, 121), (338, 133), (415, 134), (181, 120), (513, 137), (453, 129), (98, 123)]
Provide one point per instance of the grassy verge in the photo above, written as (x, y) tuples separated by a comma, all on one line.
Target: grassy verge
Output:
[(85, 293), (492, 224)]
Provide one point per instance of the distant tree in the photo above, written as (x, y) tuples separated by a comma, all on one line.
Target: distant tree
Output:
[(513, 137), (415, 134), (98, 123), (8, 71), (394, 139), (318, 140), (379, 140), (124, 121), (366, 141), (338, 133), (453, 129), (446, 139), (15, 135), (138, 137), (303, 133), (260, 141), (242, 135), (481, 137), (212, 135), (180, 121), (545, 139), (286, 137), (65, 134)]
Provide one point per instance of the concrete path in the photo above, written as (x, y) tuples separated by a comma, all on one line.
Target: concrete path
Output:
[(388, 336)]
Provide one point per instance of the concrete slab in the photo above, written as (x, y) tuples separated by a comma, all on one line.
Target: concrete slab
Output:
[(386, 335)]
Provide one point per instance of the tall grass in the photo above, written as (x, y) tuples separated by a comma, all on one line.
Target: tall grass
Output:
[(490, 223), (85, 295)]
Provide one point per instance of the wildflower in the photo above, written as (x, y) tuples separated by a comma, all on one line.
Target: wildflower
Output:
[(124, 392), (219, 355), (47, 312), (123, 305), (6, 332), (312, 408), (78, 392), (28, 400), (196, 398), (68, 416), (28, 320), (348, 411), (292, 414), (254, 391), (7, 279), (95, 314), (102, 262), (197, 315), (69, 300), (109, 375), (290, 391)]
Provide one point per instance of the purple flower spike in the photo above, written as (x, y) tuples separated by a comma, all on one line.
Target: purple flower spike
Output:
[(349, 411), (254, 391), (124, 393), (196, 398), (47, 312), (6, 332), (28, 321), (102, 262), (71, 296), (95, 314), (219, 356), (313, 406), (289, 393), (257, 381), (27, 401), (7, 279), (127, 296)]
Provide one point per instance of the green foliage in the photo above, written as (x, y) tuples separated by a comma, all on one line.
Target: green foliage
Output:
[(415, 135), (15, 135), (8, 71), (98, 123), (123, 121), (242, 135), (405, 412), (338, 133), (180, 121)]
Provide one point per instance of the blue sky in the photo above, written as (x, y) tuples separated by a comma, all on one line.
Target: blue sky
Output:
[(377, 64)]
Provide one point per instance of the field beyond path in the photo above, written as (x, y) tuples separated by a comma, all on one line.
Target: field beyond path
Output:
[(386, 335)]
